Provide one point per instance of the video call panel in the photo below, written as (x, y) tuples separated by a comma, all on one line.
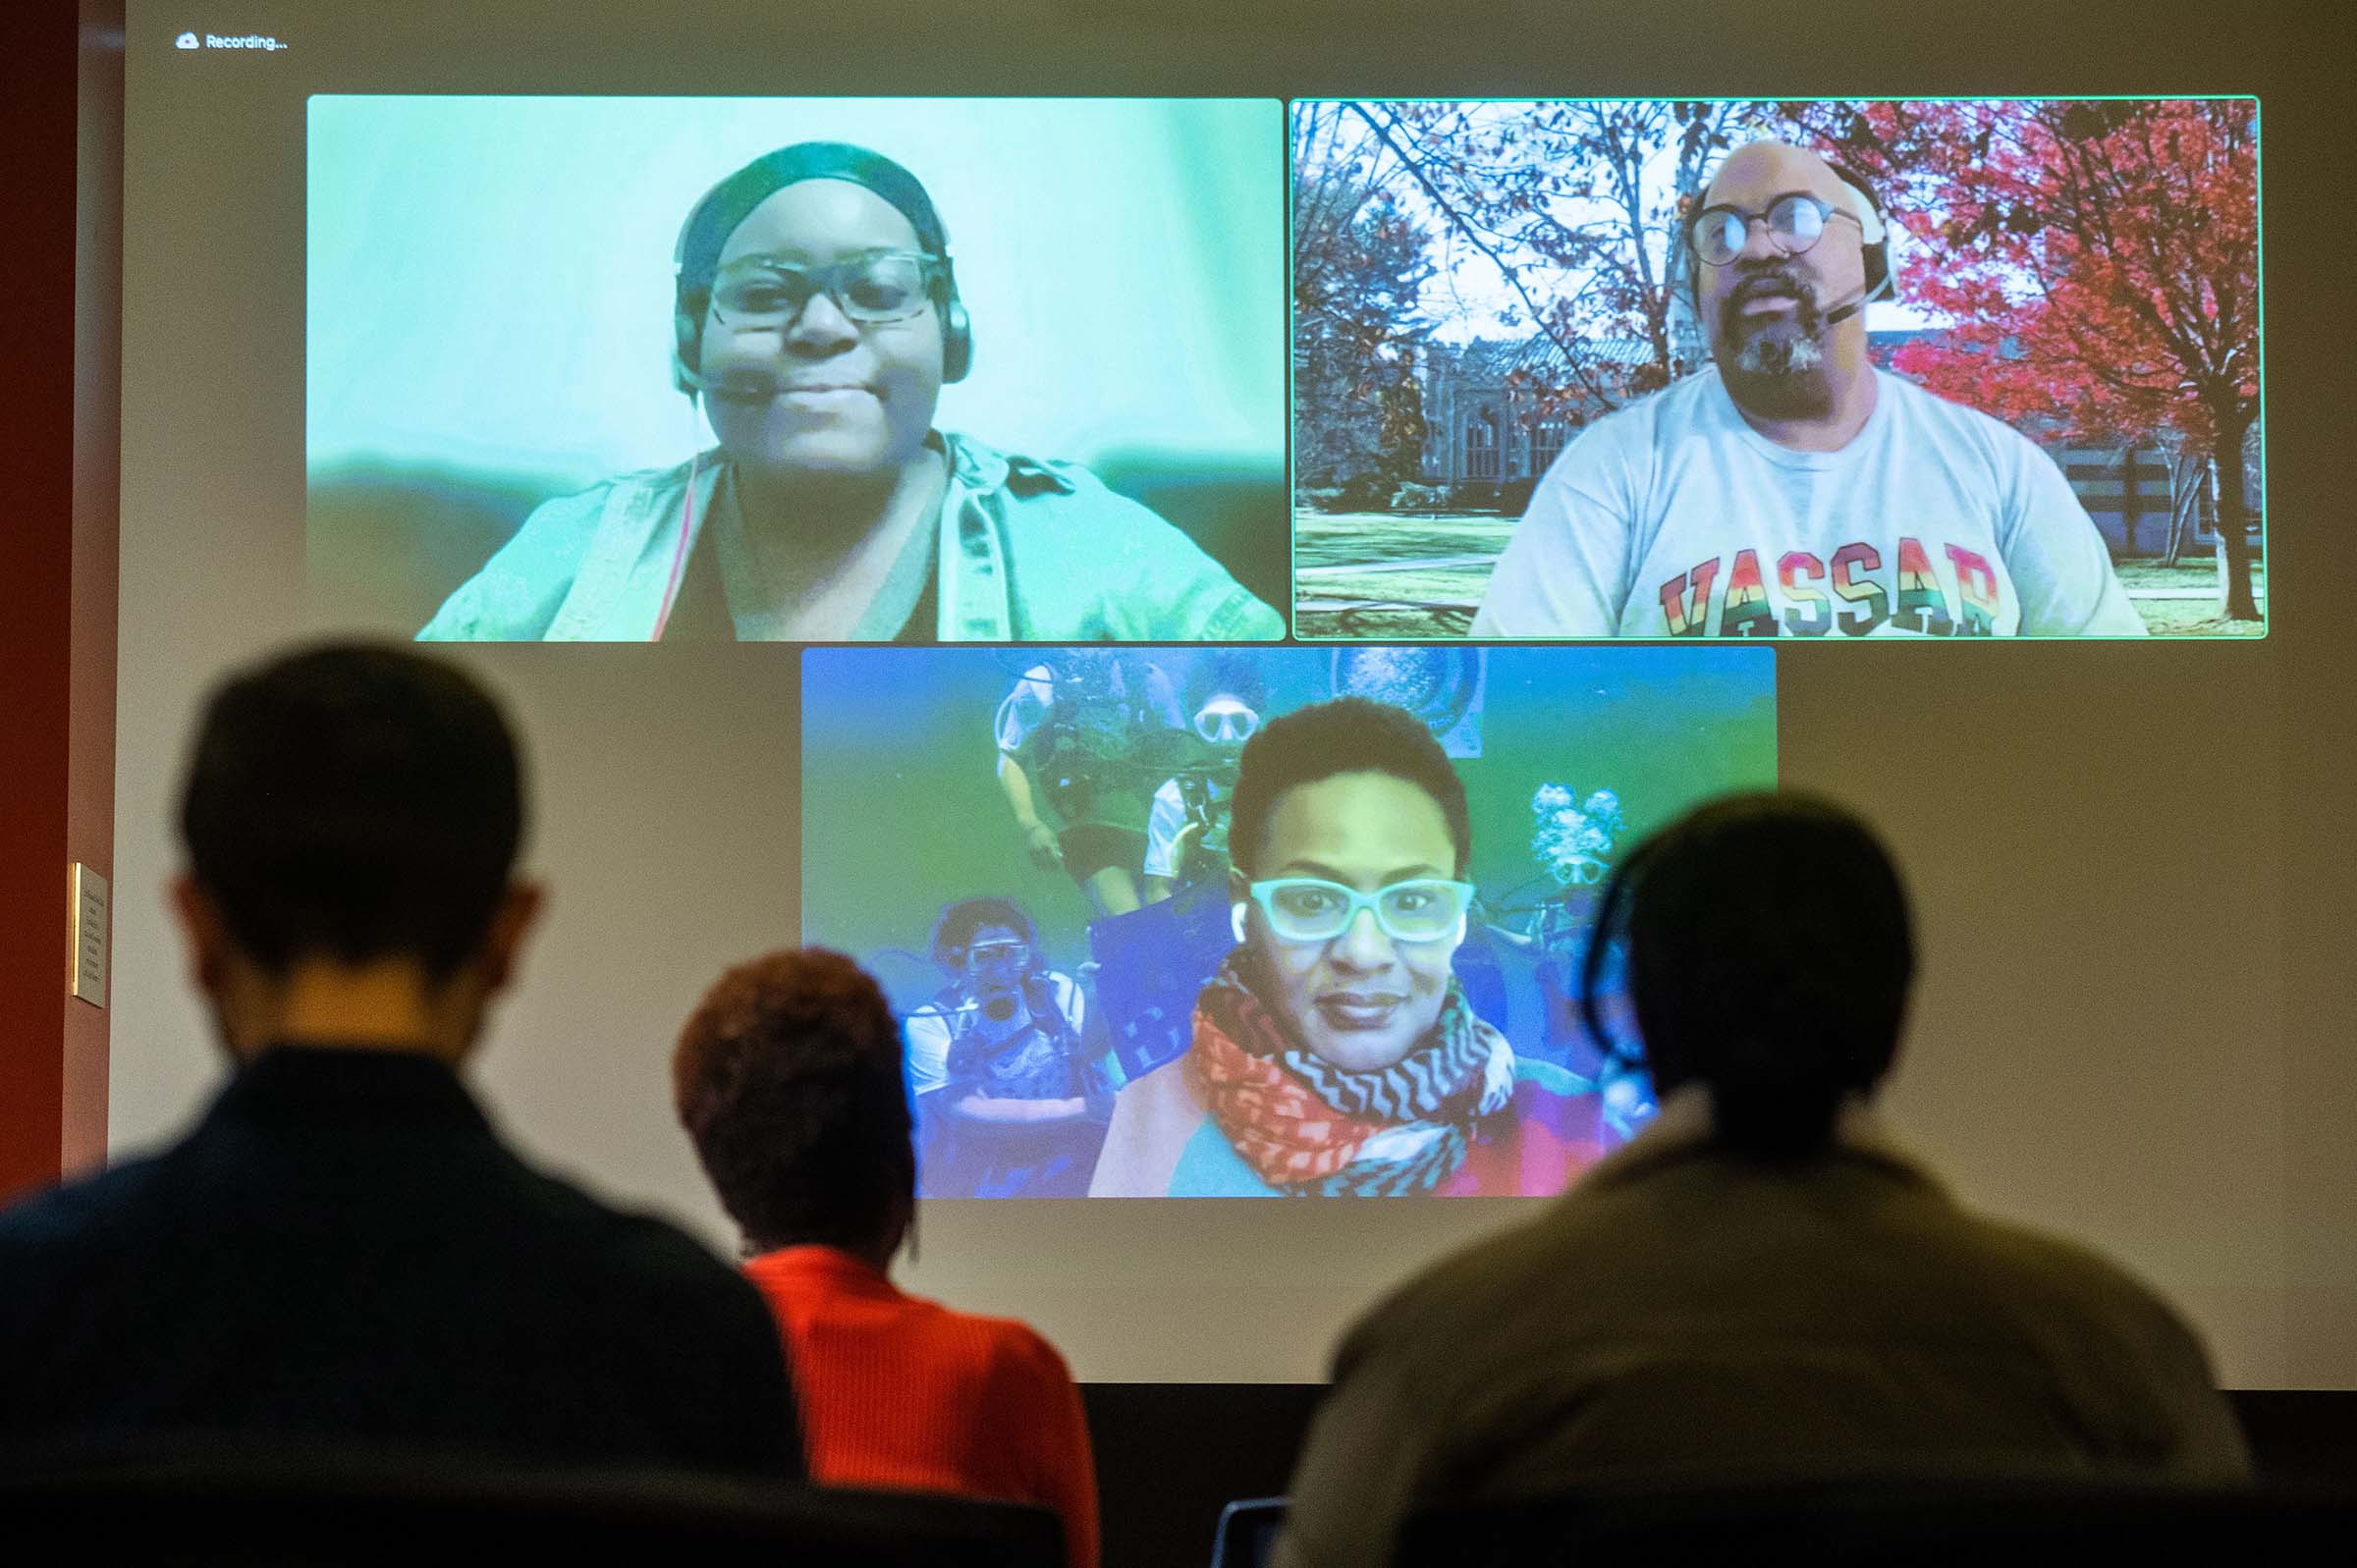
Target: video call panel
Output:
[(1818, 368), (797, 369), (829, 369), (1029, 847)]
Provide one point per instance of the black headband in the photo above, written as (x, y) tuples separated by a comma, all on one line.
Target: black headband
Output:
[(730, 202)]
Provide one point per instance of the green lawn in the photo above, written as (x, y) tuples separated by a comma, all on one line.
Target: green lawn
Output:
[(1394, 601), (2189, 617), (2197, 571), (2195, 618), (1389, 597), (1349, 538)]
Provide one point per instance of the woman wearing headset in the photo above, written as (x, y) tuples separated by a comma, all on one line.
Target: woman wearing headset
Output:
[(1334, 1053), (818, 318)]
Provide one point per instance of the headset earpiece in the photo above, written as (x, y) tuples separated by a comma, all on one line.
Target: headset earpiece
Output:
[(1874, 235), (956, 330), (687, 306), (686, 346), (1235, 921)]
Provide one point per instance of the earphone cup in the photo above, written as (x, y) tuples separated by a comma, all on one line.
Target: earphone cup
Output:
[(1236, 923), (956, 341), (686, 350), (1878, 270)]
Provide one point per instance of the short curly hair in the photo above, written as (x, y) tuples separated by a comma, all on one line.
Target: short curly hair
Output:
[(1346, 734), (788, 1079)]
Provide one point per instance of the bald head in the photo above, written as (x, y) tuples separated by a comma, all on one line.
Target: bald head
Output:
[(1780, 310), (1757, 172)]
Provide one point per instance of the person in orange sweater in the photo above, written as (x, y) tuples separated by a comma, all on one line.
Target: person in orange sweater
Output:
[(788, 1079)]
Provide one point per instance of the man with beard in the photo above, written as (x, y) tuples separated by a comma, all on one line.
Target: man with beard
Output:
[(1793, 489)]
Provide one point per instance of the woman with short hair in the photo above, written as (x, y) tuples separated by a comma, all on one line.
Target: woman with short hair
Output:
[(788, 1079), (1334, 1051)]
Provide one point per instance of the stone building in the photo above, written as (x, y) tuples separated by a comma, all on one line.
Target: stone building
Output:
[(1486, 423)]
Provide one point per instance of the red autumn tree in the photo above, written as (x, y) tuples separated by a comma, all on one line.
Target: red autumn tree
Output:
[(2098, 260)]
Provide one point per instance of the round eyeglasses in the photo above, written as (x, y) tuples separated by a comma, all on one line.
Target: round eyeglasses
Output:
[(1313, 909), (1796, 223), (756, 293)]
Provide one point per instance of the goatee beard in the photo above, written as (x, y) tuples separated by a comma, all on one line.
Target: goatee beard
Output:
[(1776, 366), (1792, 345), (1780, 357)]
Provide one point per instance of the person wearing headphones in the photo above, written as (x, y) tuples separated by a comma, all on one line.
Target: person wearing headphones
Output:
[(1762, 1285), (1007, 1105), (817, 318), (1793, 489), (1335, 1053)]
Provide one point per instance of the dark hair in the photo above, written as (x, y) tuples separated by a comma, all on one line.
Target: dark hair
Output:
[(354, 801), (1770, 953), (788, 1079), (1348, 735), (1228, 674), (729, 203), (960, 922)]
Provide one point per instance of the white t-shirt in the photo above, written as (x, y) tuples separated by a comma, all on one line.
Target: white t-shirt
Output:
[(1673, 518), (1169, 819)]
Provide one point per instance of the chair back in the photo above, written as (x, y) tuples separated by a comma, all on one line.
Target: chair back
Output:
[(1247, 1531), (1911, 1521), (357, 1510)]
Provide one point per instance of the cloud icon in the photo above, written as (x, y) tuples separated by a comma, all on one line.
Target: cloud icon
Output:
[(187, 40)]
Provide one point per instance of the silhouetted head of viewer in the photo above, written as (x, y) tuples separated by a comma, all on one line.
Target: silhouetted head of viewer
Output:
[(351, 816), (1769, 954), (788, 1080)]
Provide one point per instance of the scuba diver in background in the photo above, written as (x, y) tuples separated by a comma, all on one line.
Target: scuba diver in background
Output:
[(1570, 840), (1008, 1104), (1187, 833), (1092, 731)]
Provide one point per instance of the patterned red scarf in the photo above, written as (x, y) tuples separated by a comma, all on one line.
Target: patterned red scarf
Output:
[(1302, 1124)]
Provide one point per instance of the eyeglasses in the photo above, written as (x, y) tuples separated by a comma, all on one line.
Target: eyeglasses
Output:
[(1796, 223), (1226, 719), (1313, 909), (760, 292)]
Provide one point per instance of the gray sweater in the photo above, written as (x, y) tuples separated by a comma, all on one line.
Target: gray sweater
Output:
[(1682, 1310)]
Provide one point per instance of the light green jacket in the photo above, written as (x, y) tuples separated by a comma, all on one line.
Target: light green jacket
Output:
[(1027, 551)]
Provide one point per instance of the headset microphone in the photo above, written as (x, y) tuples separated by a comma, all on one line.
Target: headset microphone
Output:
[(1873, 245), (1865, 296)]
